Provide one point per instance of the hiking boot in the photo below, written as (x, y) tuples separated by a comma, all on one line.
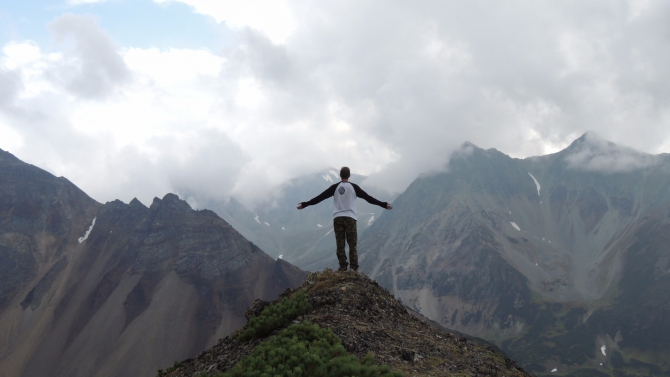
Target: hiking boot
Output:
[(354, 269), (343, 267)]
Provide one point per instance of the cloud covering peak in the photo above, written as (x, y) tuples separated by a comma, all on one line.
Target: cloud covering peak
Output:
[(592, 153)]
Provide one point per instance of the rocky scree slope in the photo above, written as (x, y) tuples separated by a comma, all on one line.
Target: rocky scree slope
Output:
[(369, 321), (561, 260), (88, 289)]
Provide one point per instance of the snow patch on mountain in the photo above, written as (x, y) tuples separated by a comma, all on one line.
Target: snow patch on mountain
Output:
[(372, 218), (256, 218), (537, 184), (327, 178), (603, 349), (515, 226), (85, 237)]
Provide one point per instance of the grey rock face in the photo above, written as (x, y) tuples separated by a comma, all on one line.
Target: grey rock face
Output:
[(37, 211), (535, 254), (34, 297)]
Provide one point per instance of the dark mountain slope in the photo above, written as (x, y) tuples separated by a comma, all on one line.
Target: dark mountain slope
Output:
[(37, 212), (117, 289), (562, 259)]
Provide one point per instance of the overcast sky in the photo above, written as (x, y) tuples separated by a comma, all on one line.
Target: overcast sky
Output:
[(137, 98)]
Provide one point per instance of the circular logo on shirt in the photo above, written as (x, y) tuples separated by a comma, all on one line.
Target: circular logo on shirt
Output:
[(340, 190)]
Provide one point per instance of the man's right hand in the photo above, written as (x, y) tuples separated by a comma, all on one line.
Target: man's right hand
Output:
[(389, 206)]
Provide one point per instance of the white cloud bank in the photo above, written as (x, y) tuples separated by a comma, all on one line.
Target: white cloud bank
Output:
[(272, 17), (388, 89)]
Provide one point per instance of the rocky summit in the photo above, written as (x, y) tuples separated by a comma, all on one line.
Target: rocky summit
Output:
[(369, 323)]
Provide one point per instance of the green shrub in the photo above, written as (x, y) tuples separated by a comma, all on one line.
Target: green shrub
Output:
[(275, 315), (174, 367), (306, 350)]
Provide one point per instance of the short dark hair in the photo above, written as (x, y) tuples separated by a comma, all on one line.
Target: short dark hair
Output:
[(345, 173)]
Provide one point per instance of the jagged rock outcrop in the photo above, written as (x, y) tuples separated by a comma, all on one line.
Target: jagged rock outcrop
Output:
[(369, 321), (117, 289), (561, 260)]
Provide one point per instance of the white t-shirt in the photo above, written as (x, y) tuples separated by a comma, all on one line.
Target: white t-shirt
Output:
[(344, 201)]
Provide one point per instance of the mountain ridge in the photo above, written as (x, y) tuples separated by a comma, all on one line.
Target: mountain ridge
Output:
[(512, 250), (90, 289)]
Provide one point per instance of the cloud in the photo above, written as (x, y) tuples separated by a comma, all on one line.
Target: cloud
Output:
[(272, 18), (390, 90), (156, 136), (199, 166), (595, 154), (10, 83), (208, 167), (525, 78), (93, 67)]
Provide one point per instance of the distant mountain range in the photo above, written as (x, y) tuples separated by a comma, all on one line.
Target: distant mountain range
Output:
[(118, 289), (562, 260)]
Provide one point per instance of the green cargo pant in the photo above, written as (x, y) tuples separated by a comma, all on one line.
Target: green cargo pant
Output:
[(345, 228)]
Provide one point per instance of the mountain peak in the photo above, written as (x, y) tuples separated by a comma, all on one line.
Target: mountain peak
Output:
[(171, 201), (136, 203), (590, 152), (589, 138), (468, 144), (364, 318), (4, 155)]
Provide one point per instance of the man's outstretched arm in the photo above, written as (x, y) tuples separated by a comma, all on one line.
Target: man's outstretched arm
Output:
[(330, 191), (364, 195)]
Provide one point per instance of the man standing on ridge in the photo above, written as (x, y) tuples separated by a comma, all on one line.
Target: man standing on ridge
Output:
[(344, 195)]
